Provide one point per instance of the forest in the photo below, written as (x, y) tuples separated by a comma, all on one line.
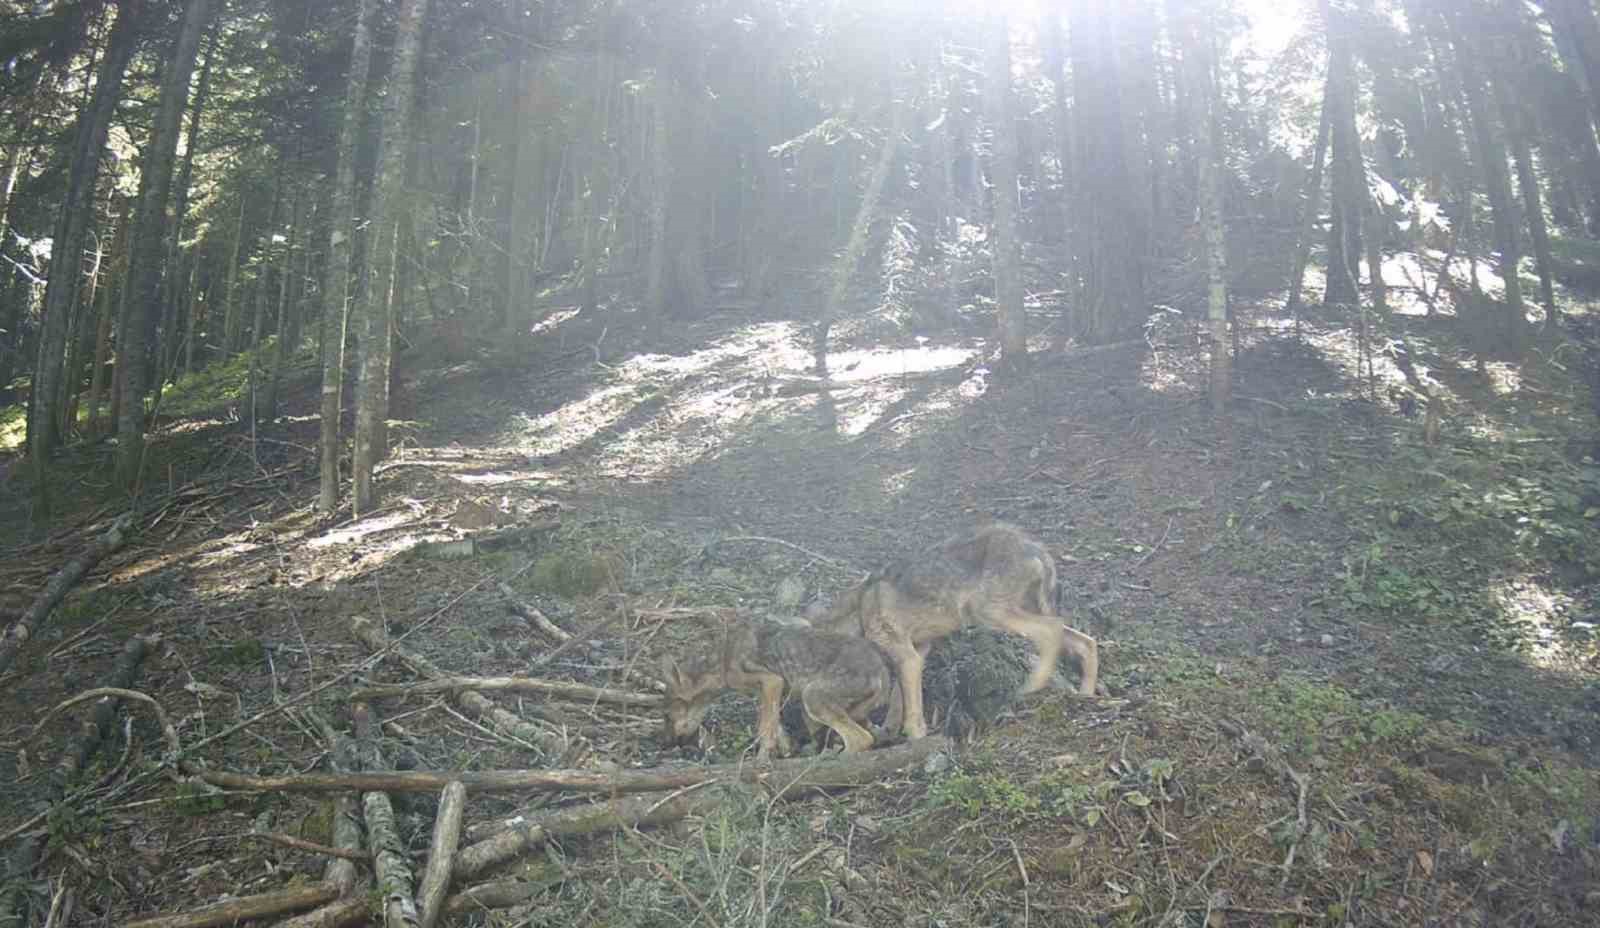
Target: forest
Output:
[(397, 396)]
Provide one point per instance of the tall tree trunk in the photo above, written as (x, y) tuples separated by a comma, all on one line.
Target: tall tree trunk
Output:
[(1007, 250), (519, 229), (845, 264), (1520, 133), (176, 291), (116, 282), (1055, 63), (61, 289), (254, 385), (232, 308), (336, 288), (1348, 188), (191, 317), (596, 182), (267, 410), (375, 307), (1109, 251), (10, 169), (660, 189), (1308, 219), (1200, 63), (144, 265), (1490, 156)]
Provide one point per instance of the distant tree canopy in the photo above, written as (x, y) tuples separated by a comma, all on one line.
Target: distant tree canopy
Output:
[(185, 181)]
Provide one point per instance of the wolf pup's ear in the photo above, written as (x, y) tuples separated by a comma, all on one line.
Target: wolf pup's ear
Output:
[(670, 675)]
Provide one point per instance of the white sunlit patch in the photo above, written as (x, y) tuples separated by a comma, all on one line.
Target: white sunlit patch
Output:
[(354, 533), (496, 478), (867, 410), (848, 366), (580, 420), (554, 319)]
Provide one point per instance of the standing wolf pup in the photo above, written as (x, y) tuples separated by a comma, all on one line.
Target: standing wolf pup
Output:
[(839, 679), (994, 575)]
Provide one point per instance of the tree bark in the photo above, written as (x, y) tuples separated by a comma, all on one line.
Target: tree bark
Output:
[(656, 299), (1490, 156), (1347, 194), (281, 349), (1203, 84), (144, 265), (337, 281), (1520, 133), (519, 245), (375, 308), (1108, 261), (1010, 313), (233, 313), (61, 289), (845, 265), (116, 282), (1308, 220), (177, 289)]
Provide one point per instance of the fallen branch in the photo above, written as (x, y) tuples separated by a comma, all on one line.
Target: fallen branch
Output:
[(301, 844), (390, 863), (244, 908), (93, 732), (341, 912), (828, 771), (498, 895), (632, 812), (341, 872), (565, 639), (1270, 755), (508, 723), (57, 587), (780, 542), (441, 853), (168, 733), (835, 770), (575, 691)]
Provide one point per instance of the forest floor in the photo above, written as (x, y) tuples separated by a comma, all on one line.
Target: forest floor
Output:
[(1311, 592)]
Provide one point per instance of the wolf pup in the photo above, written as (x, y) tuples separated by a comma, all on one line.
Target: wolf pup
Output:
[(994, 575), (839, 679)]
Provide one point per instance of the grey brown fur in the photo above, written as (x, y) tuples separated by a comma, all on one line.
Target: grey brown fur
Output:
[(839, 680), (994, 575)]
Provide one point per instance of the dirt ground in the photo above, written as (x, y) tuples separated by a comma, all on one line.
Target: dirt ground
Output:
[(1352, 676)]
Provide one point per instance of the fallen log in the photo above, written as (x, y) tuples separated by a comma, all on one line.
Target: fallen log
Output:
[(782, 778), (57, 587), (441, 853), (565, 639), (373, 636), (349, 910), (92, 733), (244, 908), (835, 770), (576, 691), (633, 812), (496, 843), (497, 895), (390, 863)]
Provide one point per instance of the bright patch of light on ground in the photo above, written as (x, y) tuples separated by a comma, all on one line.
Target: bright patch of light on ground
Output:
[(1503, 377), (498, 477), (549, 322), (767, 346), (895, 484), (851, 366), (1537, 611), (868, 409), (580, 420), (356, 531)]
